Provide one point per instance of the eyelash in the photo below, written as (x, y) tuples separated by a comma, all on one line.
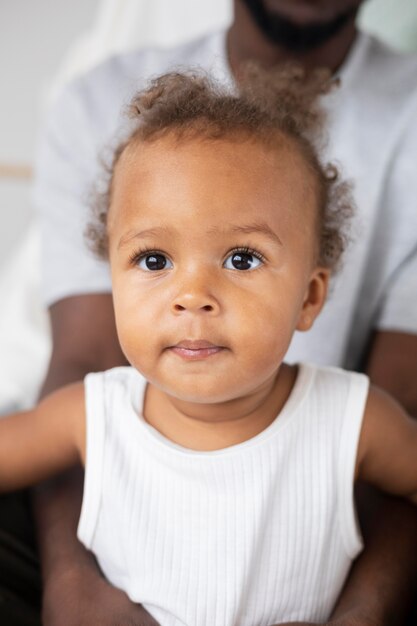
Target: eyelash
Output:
[(247, 250), (143, 252), (139, 254)]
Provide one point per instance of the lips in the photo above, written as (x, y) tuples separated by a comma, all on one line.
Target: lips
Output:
[(194, 350), (305, 11)]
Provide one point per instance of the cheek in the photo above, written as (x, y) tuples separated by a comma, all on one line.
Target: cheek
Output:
[(136, 321), (265, 325)]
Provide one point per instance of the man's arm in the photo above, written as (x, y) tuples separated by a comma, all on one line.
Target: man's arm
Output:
[(383, 579), (84, 340), (392, 365), (75, 593)]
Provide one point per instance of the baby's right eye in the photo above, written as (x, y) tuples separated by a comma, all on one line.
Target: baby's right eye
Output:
[(154, 261)]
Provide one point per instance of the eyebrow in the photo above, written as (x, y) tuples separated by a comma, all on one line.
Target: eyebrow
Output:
[(142, 234), (247, 229)]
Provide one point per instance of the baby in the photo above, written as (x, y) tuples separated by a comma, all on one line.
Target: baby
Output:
[(218, 479)]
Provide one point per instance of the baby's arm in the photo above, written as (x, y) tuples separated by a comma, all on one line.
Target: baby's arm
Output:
[(387, 455), (38, 443)]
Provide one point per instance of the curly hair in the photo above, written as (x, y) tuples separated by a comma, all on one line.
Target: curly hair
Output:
[(267, 106)]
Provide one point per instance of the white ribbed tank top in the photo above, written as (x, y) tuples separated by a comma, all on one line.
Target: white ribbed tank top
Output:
[(252, 535)]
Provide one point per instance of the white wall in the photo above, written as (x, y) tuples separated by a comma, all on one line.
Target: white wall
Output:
[(34, 35)]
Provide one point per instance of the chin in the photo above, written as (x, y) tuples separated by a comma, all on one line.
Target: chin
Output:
[(197, 395), (197, 390), (301, 26)]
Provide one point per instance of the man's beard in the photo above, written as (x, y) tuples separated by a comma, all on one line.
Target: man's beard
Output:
[(296, 38)]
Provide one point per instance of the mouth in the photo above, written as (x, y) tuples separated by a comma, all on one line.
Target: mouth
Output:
[(304, 11), (190, 350)]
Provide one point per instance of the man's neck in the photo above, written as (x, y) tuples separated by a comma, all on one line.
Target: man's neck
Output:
[(246, 42)]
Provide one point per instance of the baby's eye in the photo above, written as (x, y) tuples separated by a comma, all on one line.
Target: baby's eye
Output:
[(242, 261), (154, 261)]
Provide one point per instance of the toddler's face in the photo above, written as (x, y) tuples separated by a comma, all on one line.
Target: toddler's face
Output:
[(212, 250)]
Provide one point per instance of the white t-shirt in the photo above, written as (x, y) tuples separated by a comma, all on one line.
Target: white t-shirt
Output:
[(373, 135), (258, 533)]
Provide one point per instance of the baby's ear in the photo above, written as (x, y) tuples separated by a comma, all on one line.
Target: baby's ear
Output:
[(314, 298)]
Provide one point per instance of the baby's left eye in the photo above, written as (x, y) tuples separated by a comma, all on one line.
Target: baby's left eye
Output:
[(242, 261)]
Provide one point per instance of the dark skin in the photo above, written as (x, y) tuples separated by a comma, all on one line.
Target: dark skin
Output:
[(246, 41), (378, 590)]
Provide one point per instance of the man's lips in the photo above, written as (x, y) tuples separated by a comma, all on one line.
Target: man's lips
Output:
[(195, 349)]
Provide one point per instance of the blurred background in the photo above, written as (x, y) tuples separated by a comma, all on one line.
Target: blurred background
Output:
[(43, 44)]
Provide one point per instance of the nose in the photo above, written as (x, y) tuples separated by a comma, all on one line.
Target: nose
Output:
[(195, 296)]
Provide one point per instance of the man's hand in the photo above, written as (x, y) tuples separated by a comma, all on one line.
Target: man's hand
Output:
[(81, 598), (75, 592)]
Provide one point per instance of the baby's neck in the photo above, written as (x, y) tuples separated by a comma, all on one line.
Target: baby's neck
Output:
[(215, 426)]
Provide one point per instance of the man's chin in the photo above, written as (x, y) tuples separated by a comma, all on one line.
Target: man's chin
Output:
[(296, 37)]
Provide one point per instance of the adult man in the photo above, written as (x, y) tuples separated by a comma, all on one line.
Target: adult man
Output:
[(370, 320)]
